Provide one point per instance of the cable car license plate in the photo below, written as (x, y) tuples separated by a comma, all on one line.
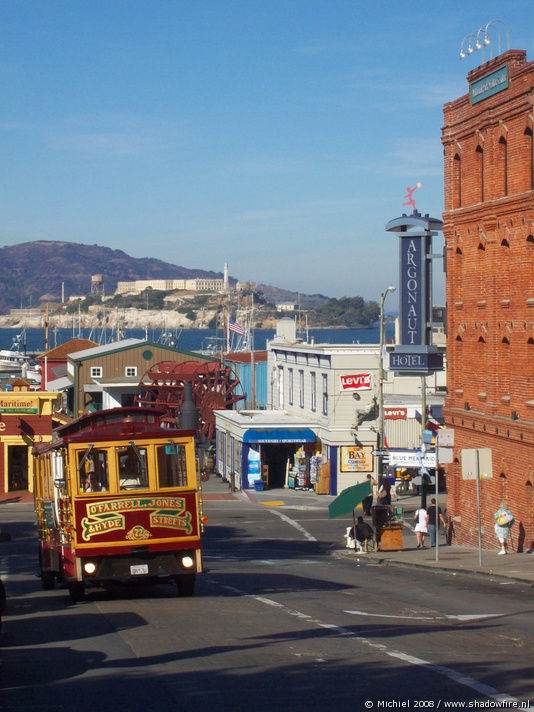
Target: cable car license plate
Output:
[(138, 569)]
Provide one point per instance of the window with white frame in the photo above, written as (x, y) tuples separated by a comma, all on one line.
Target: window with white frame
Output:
[(325, 393), (301, 388), (130, 371), (96, 371), (280, 387), (290, 385), (313, 385)]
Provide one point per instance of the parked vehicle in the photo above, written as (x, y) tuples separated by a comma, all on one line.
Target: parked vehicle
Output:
[(118, 500)]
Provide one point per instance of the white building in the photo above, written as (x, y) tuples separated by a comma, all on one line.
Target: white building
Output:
[(323, 401), (198, 284)]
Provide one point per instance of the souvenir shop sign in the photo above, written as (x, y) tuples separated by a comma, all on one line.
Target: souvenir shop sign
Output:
[(356, 382), (356, 459)]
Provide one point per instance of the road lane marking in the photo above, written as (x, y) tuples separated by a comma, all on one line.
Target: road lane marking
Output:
[(445, 616), (442, 670), (293, 523)]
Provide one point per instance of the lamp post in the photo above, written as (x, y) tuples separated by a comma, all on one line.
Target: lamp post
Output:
[(383, 296)]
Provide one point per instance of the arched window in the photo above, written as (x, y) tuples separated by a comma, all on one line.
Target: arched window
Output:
[(457, 182), (503, 160), (530, 154), (480, 170)]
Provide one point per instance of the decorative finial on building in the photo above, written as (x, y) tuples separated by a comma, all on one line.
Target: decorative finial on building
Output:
[(409, 193)]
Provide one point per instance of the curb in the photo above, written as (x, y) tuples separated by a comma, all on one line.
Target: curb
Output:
[(372, 556)]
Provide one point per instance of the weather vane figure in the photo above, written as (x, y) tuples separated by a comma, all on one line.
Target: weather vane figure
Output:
[(409, 194)]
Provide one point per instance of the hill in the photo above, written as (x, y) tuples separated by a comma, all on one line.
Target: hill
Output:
[(32, 270)]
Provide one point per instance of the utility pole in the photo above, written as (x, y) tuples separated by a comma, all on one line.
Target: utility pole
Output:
[(383, 296)]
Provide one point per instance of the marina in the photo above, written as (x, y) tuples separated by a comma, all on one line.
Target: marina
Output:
[(191, 339)]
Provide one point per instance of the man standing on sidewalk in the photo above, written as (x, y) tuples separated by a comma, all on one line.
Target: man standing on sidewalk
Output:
[(432, 520)]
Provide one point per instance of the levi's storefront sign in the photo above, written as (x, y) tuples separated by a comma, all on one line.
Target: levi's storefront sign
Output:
[(395, 413), (356, 382)]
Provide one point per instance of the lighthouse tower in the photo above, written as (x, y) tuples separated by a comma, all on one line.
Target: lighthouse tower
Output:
[(225, 282)]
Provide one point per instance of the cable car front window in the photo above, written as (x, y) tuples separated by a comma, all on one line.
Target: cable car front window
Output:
[(172, 469), (133, 470), (93, 474)]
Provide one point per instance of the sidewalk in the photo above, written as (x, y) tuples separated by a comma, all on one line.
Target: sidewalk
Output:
[(458, 559)]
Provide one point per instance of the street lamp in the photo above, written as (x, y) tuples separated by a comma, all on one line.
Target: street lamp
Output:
[(383, 296)]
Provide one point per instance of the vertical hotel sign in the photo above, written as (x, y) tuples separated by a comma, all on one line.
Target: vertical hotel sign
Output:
[(413, 280)]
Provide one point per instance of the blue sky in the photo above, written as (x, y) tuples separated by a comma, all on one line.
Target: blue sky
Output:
[(277, 136)]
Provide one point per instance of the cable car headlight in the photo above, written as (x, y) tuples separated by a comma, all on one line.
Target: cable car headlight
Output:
[(89, 567), (187, 562)]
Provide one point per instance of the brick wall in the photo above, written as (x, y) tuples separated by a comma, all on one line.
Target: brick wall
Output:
[(489, 237)]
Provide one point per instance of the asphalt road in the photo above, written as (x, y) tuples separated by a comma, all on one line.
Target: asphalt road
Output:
[(281, 621)]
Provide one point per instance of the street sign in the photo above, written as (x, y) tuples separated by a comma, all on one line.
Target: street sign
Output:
[(477, 462), (446, 437), (412, 458)]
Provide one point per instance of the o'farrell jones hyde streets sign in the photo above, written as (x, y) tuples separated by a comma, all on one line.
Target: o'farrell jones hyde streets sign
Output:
[(489, 85)]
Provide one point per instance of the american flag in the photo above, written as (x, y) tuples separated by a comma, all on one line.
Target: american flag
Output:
[(235, 327)]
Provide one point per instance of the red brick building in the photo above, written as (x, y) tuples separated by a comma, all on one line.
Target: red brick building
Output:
[(489, 235)]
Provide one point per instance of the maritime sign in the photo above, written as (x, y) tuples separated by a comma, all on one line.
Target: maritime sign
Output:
[(19, 405)]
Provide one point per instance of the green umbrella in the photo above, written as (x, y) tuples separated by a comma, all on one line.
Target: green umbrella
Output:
[(349, 499)]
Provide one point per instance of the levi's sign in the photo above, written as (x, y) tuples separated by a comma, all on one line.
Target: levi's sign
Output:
[(356, 382), (395, 413)]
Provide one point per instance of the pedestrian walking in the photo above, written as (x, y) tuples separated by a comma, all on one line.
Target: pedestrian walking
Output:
[(503, 521), (384, 493), (432, 530), (421, 526)]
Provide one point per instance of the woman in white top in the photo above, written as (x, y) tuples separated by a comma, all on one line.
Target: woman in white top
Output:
[(421, 527)]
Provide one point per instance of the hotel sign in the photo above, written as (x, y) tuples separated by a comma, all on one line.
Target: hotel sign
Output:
[(418, 362), (412, 275), (489, 85)]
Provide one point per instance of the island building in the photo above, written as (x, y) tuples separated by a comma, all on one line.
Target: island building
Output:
[(488, 143), (199, 284)]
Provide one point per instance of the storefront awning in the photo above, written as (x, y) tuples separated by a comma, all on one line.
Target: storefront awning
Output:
[(279, 435)]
